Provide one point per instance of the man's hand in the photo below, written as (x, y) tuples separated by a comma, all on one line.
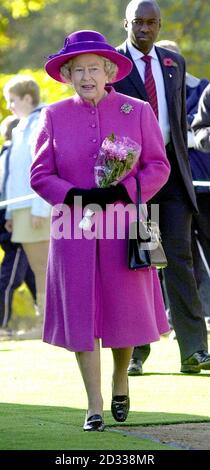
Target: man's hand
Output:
[(36, 222)]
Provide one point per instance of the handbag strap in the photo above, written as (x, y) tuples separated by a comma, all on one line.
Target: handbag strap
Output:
[(153, 226), (138, 202)]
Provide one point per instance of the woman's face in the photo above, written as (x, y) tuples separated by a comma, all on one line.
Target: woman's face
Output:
[(88, 77)]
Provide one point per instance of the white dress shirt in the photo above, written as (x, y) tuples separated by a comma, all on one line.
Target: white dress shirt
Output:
[(160, 88)]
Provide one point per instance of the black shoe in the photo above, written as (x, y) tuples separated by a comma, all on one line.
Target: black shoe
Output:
[(94, 423), (135, 367), (193, 365), (120, 407)]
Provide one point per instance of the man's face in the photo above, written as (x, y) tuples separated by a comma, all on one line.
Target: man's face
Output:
[(142, 26)]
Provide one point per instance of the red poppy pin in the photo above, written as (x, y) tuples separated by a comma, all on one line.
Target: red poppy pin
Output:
[(168, 62)]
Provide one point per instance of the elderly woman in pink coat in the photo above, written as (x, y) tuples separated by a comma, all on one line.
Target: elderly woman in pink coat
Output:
[(92, 296)]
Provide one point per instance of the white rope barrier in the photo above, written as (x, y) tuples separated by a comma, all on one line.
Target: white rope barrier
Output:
[(205, 262), (9, 202)]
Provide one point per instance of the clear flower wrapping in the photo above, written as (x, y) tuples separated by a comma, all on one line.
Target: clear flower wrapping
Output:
[(117, 157)]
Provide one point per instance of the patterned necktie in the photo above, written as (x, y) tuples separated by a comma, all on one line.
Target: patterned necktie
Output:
[(149, 84)]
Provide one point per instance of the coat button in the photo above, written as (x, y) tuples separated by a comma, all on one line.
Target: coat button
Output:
[(93, 125), (95, 155), (94, 141), (93, 112)]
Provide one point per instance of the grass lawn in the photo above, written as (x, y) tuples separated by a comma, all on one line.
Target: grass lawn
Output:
[(43, 402)]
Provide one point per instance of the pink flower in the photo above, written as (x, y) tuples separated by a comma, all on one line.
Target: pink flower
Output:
[(168, 62), (117, 157)]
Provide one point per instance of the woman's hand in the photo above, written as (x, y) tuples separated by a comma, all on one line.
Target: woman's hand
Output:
[(37, 222), (9, 225), (101, 196)]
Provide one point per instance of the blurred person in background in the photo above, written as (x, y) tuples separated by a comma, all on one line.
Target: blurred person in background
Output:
[(200, 167), (28, 220)]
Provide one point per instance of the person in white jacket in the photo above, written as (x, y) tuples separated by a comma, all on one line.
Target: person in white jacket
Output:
[(29, 219)]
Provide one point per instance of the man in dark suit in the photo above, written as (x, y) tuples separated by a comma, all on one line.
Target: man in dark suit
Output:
[(176, 199)]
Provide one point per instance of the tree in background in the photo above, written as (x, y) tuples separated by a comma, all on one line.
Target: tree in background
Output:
[(24, 21), (35, 28), (11, 11)]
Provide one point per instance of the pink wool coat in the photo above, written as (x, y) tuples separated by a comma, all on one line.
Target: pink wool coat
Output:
[(90, 290)]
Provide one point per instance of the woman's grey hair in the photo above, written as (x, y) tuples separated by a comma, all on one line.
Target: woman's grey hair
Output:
[(110, 69)]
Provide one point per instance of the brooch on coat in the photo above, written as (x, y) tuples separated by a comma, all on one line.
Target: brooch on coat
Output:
[(126, 108), (168, 62)]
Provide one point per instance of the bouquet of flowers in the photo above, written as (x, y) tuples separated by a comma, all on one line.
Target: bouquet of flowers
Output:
[(117, 157)]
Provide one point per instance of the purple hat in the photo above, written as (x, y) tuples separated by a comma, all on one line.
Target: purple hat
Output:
[(87, 42)]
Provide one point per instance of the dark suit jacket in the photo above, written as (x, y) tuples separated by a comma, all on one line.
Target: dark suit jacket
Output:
[(174, 80), (199, 161)]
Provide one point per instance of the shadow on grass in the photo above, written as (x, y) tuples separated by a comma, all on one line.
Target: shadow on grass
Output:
[(30, 427)]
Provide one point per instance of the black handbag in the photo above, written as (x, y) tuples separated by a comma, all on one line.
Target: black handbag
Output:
[(145, 249)]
